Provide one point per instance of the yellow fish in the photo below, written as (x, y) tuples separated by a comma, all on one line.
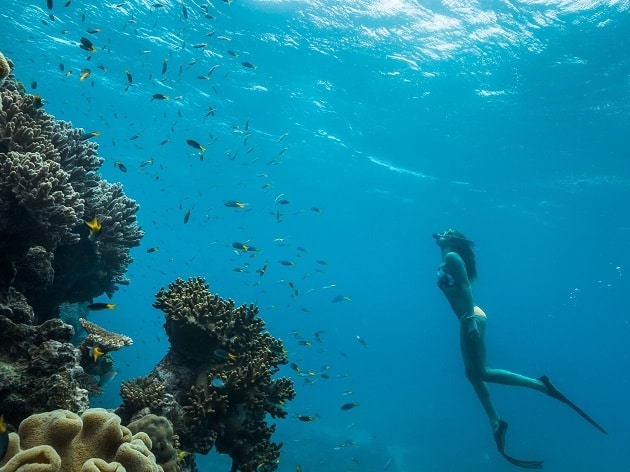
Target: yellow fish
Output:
[(95, 227)]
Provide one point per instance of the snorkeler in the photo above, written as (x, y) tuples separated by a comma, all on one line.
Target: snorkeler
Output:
[(455, 274)]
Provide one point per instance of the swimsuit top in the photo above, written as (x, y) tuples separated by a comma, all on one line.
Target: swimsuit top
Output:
[(444, 279)]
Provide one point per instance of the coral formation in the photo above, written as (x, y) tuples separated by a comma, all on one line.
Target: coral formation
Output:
[(216, 383), (63, 441), (49, 187), (38, 365), (160, 431), (5, 68), (106, 342)]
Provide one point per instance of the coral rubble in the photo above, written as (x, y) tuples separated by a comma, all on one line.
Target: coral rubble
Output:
[(49, 187), (63, 441), (216, 382)]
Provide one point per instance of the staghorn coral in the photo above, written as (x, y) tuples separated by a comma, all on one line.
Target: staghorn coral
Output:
[(63, 441), (212, 339), (49, 185)]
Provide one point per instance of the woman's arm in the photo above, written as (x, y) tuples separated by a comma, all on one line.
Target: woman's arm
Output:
[(455, 266)]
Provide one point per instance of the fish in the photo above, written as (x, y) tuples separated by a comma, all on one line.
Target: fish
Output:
[(159, 96), (121, 166), (67, 4), (303, 342), (89, 135), (165, 141), (61, 67), (362, 341), (49, 4), (129, 77), (316, 209), (85, 73), (249, 65), (4, 438), (134, 137), (234, 204), (241, 246), (93, 30), (195, 144), (232, 53), (102, 67), (349, 406), (200, 45), (305, 418), (153, 249), (184, 11), (107, 377), (187, 216), (95, 227), (34, 84), (217, 382), (321, 262), (164, 65), (287, 263), (146, 163), (262, 270), (341, 298), (86, 45), (95, 352), (101, 306), (295, 367)]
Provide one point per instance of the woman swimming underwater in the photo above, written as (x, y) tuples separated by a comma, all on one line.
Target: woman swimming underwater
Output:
[(455, 274)]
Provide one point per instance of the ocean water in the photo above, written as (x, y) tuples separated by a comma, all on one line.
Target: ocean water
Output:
[(380, 122)]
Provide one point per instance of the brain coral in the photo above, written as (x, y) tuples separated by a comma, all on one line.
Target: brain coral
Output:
[(63, 441)]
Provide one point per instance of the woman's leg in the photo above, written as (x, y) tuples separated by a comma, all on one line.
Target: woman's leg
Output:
[(474, 352)]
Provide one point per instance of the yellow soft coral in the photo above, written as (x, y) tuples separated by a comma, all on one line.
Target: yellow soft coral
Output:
[(61, 441)]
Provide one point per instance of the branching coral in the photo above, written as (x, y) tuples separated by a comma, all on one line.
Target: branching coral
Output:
[(63, 441), (217, 377), (49, 186)]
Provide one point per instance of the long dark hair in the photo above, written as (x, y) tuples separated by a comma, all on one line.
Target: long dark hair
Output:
[(464, 247)]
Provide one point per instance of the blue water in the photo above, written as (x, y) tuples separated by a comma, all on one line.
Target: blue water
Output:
[(505, 120)]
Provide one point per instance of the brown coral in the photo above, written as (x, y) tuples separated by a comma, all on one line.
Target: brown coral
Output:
[(39, 368), (106, 340), (212, 340), (49, 185), (163, 441), (63, 441), (5, 69)]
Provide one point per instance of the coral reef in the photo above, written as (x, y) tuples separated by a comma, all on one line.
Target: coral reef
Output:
[(49, 187), (216, 383), (39, 367), (63, 441)]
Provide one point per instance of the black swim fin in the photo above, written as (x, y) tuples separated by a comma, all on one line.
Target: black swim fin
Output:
[(499, 438), (555, 393)]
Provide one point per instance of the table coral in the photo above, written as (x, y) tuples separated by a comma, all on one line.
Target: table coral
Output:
[(61, 441), (211, 338)]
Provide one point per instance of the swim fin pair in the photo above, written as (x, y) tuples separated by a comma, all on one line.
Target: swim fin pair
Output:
[(553, 392)]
